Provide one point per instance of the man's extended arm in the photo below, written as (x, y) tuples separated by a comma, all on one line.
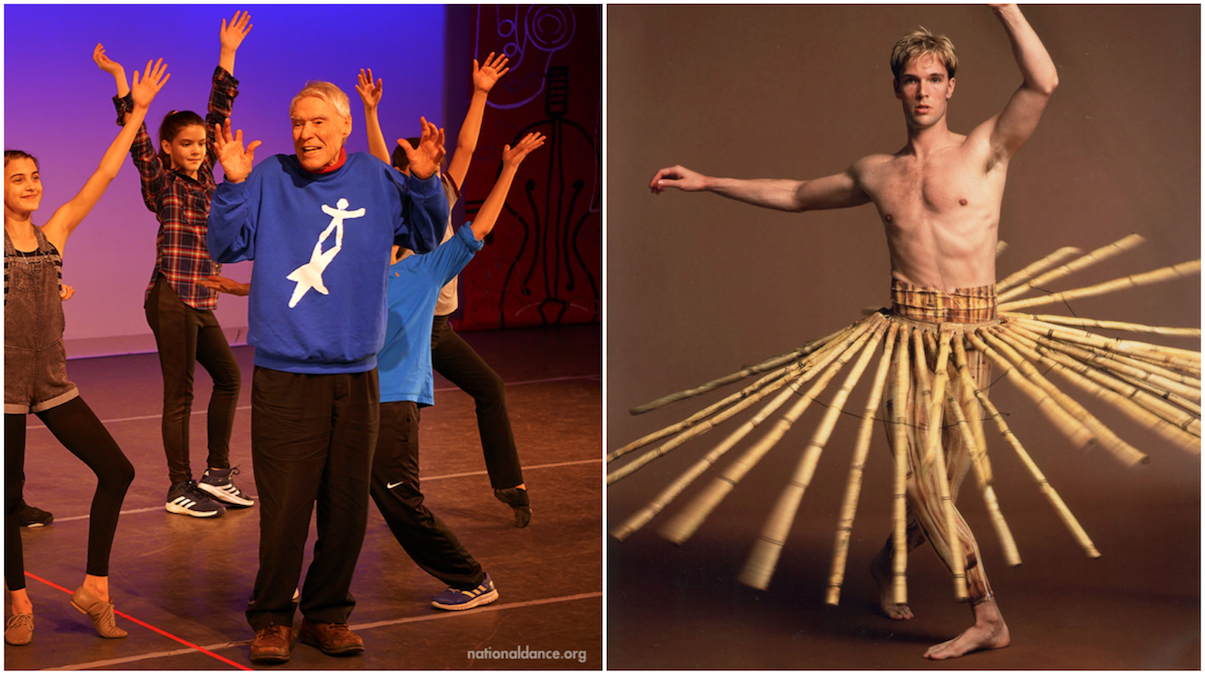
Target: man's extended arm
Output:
[(831, 192), (1012, 127)]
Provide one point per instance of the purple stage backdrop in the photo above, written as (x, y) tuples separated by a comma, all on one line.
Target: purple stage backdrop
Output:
[(57, 106)]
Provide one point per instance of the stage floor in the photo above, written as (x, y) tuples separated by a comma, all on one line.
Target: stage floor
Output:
[(180, 584)]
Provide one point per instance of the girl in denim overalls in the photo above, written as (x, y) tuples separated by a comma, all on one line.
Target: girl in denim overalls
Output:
[(35, 373)]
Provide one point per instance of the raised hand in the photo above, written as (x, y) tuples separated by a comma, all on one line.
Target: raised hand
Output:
[(425, 159), (145, 88), (111, 67), (232, 34), (485, 76), (236, 162), (511, 157), (677, 177), (369, 94)]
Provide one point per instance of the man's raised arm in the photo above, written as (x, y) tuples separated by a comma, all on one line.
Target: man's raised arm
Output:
[(1012, 127), (831, 192)]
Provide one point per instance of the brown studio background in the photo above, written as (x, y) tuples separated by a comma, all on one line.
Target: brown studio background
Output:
[(699, 285)]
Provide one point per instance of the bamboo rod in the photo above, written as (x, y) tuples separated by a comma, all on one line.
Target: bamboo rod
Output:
[(1081, 322), (1044, 485), (763, 558), (934, 458), (1191, 406), (1001, 247), (1106, 359), (1103, 253), (969, 386), (1119, 355), (1011, 556), (768, 364), (1184, 383), (1035, 268), (1186, 366), (1124, 452), (1133, 281), (731, 399), (1180, 371), (1168, 356), (1175, 416), (1126, 406), (663, 499), (899, 444), (1079, 435), (695, 418), (683, 524), (666, 496), (780, 377), (825, 354), (853, 487)]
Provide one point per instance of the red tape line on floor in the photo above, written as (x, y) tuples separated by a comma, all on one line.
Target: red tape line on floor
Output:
[(144, 624)]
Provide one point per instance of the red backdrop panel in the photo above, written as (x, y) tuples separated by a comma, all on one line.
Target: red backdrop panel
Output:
[(542, 264)]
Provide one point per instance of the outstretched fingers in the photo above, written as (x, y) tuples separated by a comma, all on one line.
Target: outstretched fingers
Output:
[(370, 94), (145, 87), (498, 64), (524, 147), (232, 33)]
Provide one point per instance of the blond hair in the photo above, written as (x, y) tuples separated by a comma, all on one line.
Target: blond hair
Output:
[(921, 42), (327, 92)]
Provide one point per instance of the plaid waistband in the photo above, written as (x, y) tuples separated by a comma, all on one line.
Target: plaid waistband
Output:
[(963, 305)]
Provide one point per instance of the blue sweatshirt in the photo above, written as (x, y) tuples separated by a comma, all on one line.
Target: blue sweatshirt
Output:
[(321, 245), (414, 286)]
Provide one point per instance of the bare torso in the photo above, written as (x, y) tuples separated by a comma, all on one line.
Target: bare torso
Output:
[(940, 212)]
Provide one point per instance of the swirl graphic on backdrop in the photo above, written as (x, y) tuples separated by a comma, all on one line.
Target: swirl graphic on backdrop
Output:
[(549, 269), (545, 30)]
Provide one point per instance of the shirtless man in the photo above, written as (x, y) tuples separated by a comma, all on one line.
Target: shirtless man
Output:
[(939, 199)]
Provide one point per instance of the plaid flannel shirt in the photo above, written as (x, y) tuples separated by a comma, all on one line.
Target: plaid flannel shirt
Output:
[(181, 203)]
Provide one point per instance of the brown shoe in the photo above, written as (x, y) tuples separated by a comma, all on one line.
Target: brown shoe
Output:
[(272, 644), (334, 639), (100, 612), (18, 630)]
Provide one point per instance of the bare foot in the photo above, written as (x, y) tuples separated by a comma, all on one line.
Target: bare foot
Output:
[(989, 632), (880, 569)]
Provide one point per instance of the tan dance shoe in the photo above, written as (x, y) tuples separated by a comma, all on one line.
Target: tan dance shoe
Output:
[(101, 613), (18, 630)]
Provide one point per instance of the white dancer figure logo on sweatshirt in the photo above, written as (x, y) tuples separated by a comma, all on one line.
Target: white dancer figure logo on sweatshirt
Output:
[(309, 275)]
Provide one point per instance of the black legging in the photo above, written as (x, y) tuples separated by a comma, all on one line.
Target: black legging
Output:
[(76, 427)]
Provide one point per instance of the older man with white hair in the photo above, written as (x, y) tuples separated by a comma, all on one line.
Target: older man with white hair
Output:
[(320, 225)]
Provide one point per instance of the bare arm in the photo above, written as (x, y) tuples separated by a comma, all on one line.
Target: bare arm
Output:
[(491, 208), (484, 78), (1011, 128), (831, 192), (113, 68), (231, 36), (69, 215), (370, 94)]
